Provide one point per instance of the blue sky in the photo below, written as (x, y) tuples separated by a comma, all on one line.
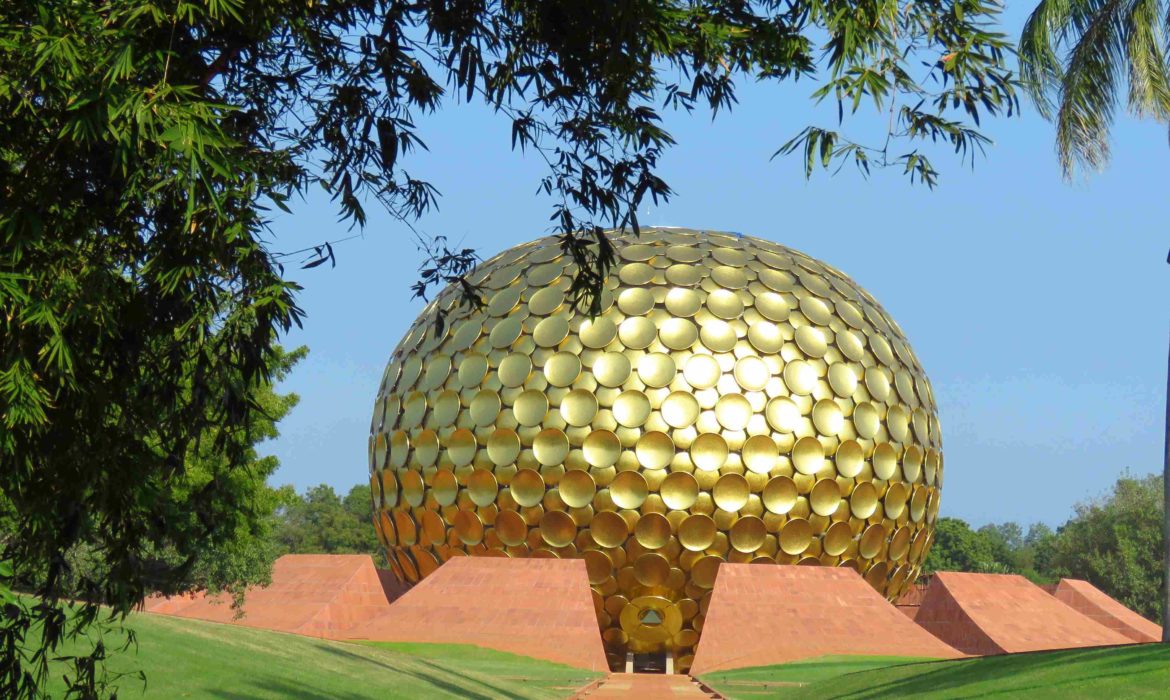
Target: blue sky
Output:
[(1037, 307)]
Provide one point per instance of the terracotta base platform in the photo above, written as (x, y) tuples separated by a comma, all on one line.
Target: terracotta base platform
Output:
[(535, 607), (1091, 602), (762, 615), (998, 613), (318, 595)]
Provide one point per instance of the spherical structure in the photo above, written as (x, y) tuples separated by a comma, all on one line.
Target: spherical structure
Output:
[(735, 401)]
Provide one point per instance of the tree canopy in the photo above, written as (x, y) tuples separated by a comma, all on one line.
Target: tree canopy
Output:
[(144, 143)]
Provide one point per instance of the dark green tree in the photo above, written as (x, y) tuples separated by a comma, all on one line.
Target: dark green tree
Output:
[(143, 142), (321, 522), (1115, 542), (959, 548)]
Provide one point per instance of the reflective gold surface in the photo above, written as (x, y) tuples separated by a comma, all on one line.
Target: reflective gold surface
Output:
[(735, 401)]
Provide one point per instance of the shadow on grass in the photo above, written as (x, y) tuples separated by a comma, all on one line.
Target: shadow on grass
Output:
[(991, 676), (438, 678)]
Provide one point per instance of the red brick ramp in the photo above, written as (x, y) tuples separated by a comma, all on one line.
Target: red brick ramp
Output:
[(541, 608), (1093, 603), (764, 615), (1004, 614), (319, 595)]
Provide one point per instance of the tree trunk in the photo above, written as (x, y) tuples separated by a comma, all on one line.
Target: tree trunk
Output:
[(1166, 512)]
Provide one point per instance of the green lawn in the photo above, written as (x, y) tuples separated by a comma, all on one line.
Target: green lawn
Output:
[(1129, 672), (193, 659)]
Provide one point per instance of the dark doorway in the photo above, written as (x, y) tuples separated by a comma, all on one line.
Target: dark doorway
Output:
[(650, 663)]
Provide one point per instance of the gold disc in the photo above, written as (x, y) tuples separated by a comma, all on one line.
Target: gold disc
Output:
[(678, 333), (656, 369), (511, 528), (527, 487), (461, 447), (562, 369), (601, 448), (748, 534), (629, 490), (709, 451), (828, 418), (760, 454), (808, 455), (733, 411), (752, 373), (482, 487), (780, 494), (530, 408), (652, 569), (863, 501), (680, 409), (468, 527), (611, 369), (701, 371), (850, 458), (609, 529), (697, 532), (795, 536), (637, 332), (731, 492), (444, 487), (514, 370), (837, 539), (885, 461), (705, 570), (655, 450), (557, 528), (825, 497), (577, 488), (550, 447), (503, 447), (578, 407), (679, 491), (631, 408), (871, 541), (783, 415), (652, 531), (597, 332)]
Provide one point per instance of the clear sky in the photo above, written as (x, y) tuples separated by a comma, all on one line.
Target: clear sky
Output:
[(1038, 308)]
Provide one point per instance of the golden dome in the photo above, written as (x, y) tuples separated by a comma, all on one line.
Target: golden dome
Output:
[(735, 401)]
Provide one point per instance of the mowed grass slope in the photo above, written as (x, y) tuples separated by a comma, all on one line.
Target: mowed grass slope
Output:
[(1138, 671), (193, 659)]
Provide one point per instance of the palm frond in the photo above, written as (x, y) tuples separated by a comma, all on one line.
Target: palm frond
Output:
[(1041, 70), (1149, 74), (1089, 91)]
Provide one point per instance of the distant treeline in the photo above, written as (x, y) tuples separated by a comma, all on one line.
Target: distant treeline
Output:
[(1113, 542)]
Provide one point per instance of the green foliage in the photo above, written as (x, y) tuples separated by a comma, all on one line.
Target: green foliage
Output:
[(321, 522), (1077, 57), (1115, 543), (142, 144)]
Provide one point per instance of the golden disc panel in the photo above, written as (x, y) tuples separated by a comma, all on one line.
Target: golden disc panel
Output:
[(733, 400)]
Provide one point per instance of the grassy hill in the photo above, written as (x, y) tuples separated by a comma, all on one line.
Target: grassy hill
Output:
[(192, 659), (1119, 672)]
